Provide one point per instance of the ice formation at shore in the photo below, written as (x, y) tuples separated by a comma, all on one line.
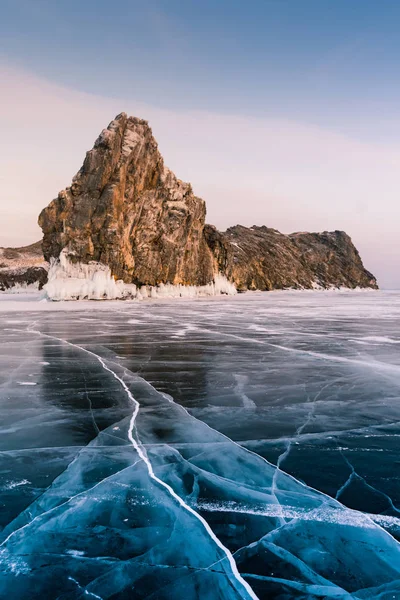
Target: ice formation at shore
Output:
[(94, 281)]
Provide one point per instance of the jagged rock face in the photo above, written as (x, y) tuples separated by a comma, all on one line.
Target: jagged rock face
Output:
[(260, 258), (127, 210), (333, 259), (22, 266)]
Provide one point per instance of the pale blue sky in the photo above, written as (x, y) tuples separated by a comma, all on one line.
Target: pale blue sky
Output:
[(311, 86), (329, 61)]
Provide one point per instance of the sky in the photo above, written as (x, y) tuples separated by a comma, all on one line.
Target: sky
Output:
[(282, 113)]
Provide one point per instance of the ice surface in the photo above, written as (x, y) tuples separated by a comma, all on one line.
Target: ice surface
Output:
[(221, 448)]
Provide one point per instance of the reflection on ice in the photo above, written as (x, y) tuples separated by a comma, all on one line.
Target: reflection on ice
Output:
[(143, 457)]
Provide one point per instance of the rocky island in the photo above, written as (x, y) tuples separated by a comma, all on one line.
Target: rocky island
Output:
[(128, 225), (22, 268)]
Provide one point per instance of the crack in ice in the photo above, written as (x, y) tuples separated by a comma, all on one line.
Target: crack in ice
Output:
[(54, 508), (85, 591), (348, 516), (368, 520), (96, 428), (371, 518), (354, 475), (143, 455)]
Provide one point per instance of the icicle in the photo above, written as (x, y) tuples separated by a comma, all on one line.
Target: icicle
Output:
[(94, 281)]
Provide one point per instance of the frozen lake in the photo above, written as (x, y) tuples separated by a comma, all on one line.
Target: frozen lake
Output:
[(233, 447)]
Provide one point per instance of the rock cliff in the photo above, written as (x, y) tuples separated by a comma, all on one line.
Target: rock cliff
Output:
[(260, 258), (126, 210)]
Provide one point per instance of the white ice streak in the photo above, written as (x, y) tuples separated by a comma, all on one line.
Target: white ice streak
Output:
[(75, 552), (186, 329), (248, 592), (13, 484), (323, 514), (86, 592), (376, 339), (241, 381), (94, 281), (379, 366)]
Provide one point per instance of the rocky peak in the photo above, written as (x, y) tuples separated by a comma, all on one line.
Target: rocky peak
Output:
[(125, 209)]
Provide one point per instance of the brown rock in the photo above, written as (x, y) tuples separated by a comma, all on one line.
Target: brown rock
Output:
[(125, 209), (260, 258)]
